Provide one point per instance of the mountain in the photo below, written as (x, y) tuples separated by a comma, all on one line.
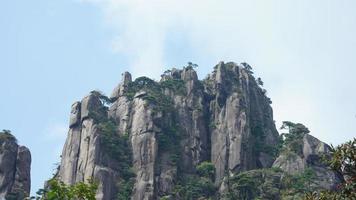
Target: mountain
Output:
[(15, 167), (185, 138)]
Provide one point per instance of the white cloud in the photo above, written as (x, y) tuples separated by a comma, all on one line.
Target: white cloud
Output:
[(299, 47), (55, 132), (215, 28)]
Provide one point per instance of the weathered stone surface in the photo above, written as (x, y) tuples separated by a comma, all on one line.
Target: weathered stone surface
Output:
[(15, 166), (120, 112), (241, 118), (119, 90), (70, 155), (22, 181), (82, 156), (226, 119), (91, 106), (191, 116), (313, 150), (74, 115), (291, 163), (144, 148)]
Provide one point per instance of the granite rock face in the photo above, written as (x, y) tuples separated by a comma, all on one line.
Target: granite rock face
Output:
[(310, 158), (172, 126), (82, 156), (241, 119), (15, 167)]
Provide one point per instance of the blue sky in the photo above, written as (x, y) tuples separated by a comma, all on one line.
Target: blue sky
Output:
[(53, 52)]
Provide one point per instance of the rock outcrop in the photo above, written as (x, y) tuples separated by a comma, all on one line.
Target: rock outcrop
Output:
[(15, 166), (83, 156), (310, 157), (242, 129), (148, 139)]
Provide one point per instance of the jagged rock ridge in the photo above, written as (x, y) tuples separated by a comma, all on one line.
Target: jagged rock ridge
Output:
[(170, 127), (15, 167)]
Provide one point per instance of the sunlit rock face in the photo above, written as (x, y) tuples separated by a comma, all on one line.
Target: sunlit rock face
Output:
[(15, 168), (310, 158), (171, 126)]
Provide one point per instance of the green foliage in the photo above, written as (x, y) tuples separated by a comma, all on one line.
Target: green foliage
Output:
[(343, 160), (247, 67), (191, 65), (193, 187), (115, 145), (154, 93), (271, 183), (118, 148), (6, 135), (254, 184), (165, 198), (293, 139), (206, 169), (141, 83), (244, 186), (176, 85), (58, 190), (98, 114), (260, 143), (168, 138), (103, 98), (295, 128), (323, 195), (299, 183), (125, 189), (18, 194)]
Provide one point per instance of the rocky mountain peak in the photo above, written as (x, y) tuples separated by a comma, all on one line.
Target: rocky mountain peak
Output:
[(151, 139), (15, 166)]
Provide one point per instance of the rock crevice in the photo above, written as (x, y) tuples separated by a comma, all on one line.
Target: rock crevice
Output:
[(172, 126)]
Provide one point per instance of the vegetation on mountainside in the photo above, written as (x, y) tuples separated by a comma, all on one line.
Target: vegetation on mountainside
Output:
[(268, 183), (343, 160), (293, 140), (58, 190), (197, 186), (261, 183), (115, 146), (6, 135), (153, 93), (260, 144), (176, 85)]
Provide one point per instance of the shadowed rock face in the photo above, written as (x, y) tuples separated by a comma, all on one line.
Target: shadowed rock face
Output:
[(15, 166), (172, 126), (241, 120)]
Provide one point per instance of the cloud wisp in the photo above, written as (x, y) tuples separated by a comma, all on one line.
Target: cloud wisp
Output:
[(294, 44)]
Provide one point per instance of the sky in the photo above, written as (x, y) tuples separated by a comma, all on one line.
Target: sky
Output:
[(54, 52)]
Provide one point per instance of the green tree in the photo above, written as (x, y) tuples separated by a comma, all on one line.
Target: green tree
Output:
[(206, 169), (293, 139), (57, 190), (342, 160), (6, 135), (247, 67), (199, 186), (191, 65)]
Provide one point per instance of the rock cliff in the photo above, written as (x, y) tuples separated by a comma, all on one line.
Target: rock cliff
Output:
[(15, 166), (150, 140)]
